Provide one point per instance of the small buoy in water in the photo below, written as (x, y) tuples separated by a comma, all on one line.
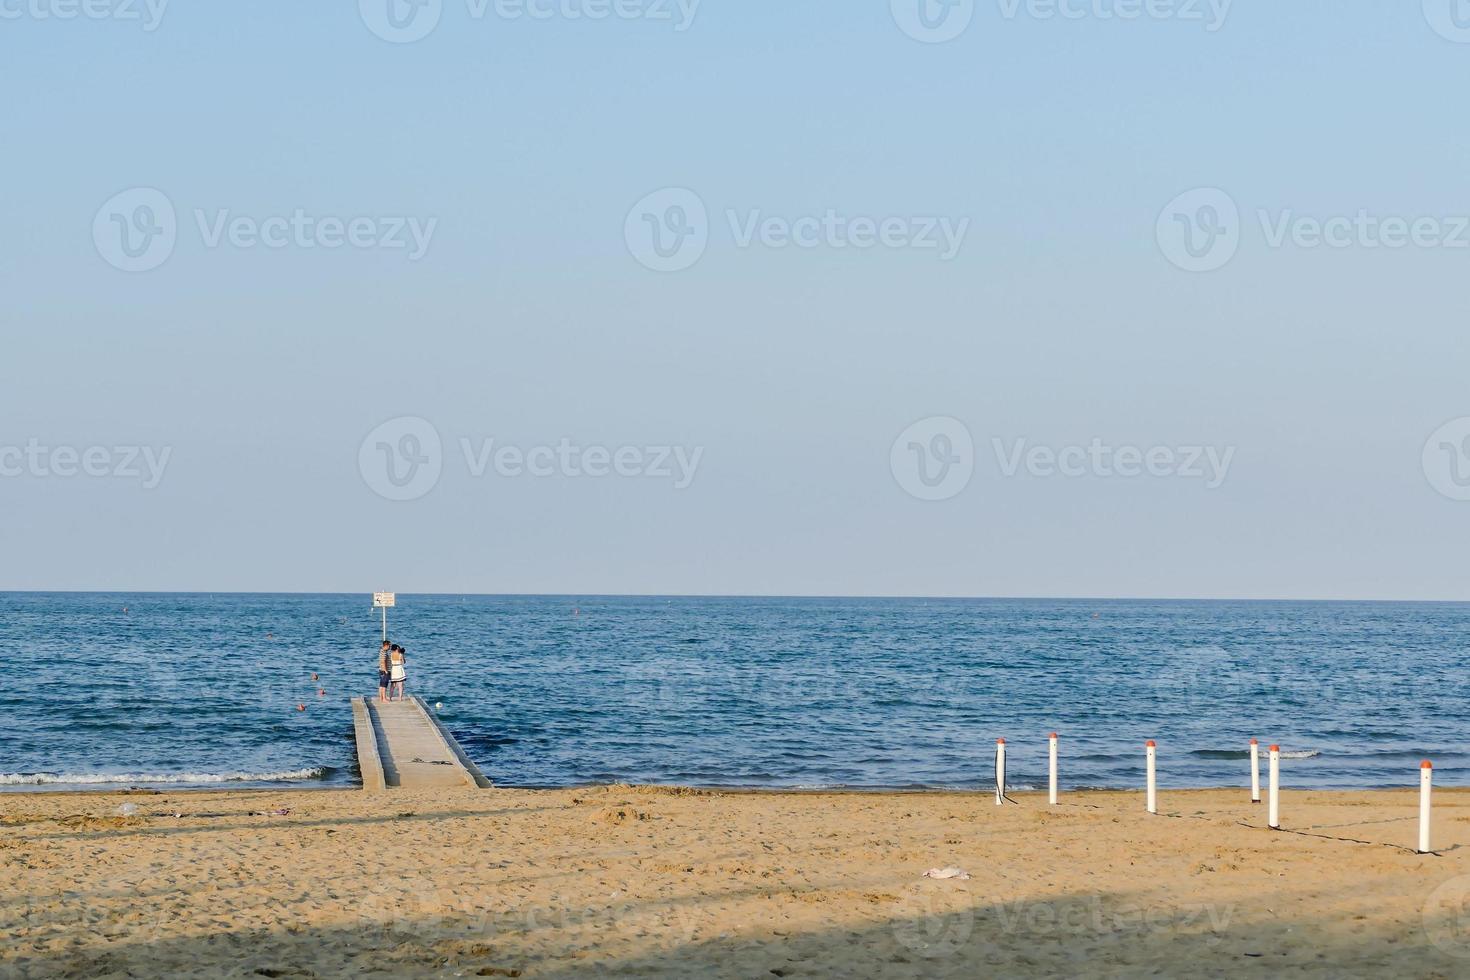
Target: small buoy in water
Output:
[(438, 705), (301, 707)]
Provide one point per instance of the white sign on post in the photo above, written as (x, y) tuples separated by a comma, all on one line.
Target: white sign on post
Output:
[(385, 601)]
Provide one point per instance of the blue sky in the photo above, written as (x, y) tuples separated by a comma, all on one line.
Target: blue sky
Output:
[(521, 146)]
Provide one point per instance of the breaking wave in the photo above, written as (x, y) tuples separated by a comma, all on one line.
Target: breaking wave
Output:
[(1245, 753), (193, 778)]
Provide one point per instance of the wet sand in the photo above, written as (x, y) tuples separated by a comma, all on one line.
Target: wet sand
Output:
[(640, 882)]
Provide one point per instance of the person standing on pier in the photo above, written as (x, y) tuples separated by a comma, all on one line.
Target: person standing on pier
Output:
[(383, 674), (397, 671)]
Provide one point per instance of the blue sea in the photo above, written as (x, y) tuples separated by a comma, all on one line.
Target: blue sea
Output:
[(203, 690)]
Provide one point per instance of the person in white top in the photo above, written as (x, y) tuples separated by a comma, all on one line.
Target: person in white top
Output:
[(397, 672)]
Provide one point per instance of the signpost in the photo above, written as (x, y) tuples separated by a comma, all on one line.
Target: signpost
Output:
[(385, 601)]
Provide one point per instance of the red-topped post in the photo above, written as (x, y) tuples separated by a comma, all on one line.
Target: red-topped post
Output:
[(1274, 817), (1426, 781), (1053, 755), (1255, 771), (1000, 772), (1153, 783)]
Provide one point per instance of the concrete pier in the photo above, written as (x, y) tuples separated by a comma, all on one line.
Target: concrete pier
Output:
[(401, 745)]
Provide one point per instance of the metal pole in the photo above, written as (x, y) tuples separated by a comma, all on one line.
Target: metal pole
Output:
[(1426, 778), (1273, 818), (1053, 780), (1000, 771), (1153, 786), (1255, 771)]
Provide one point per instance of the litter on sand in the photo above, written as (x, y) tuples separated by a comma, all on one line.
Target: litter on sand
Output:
[(217, 816), (945, 873)]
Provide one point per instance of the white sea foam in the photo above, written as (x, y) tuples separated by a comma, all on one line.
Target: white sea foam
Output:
[(97, 779), (1235, 754)]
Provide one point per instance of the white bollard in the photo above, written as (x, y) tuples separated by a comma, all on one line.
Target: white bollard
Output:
[(1053, 768), (1255, 771), (1426, 780), (1153, 784), (1000, 772), (1274, 817)]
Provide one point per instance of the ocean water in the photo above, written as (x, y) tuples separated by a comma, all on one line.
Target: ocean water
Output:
[(548, 691)]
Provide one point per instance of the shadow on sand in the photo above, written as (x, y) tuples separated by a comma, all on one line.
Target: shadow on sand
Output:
[(934, 933)]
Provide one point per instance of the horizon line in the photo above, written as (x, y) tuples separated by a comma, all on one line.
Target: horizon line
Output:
[(955, 597)]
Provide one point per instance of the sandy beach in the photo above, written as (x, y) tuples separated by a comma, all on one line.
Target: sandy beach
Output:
[(658, 882)]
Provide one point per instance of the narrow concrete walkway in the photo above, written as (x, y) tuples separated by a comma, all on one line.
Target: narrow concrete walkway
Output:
[(410, 749)]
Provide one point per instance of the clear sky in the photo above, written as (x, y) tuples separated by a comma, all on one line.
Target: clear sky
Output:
[(176, 279)]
